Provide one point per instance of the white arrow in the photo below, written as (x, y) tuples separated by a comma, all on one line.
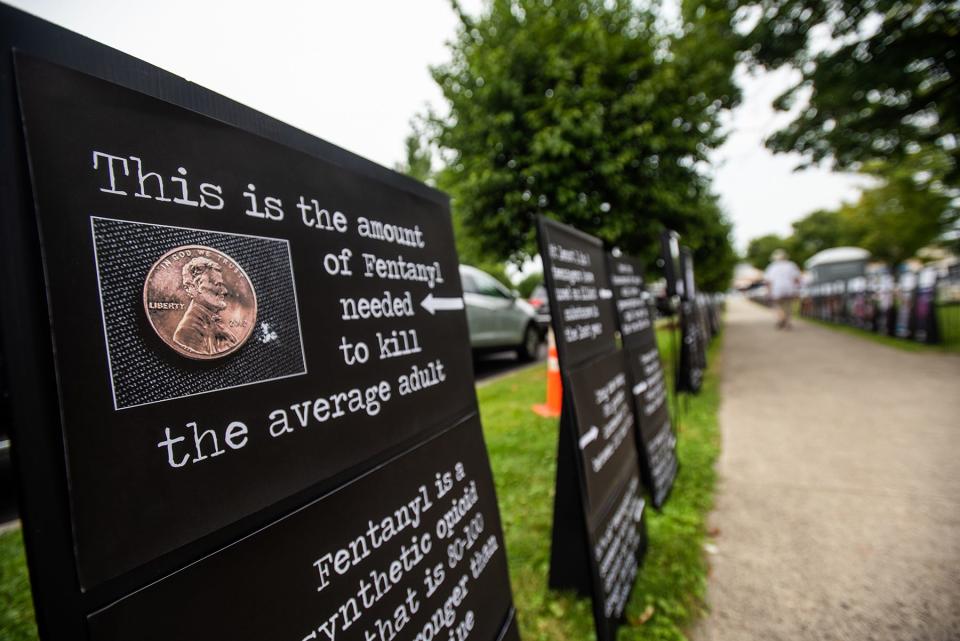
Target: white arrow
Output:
[(432, 304), (589, 437), (605, 294), (638, 512), (639, 388)]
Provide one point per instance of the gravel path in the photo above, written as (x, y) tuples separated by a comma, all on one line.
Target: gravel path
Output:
[(838, 510)]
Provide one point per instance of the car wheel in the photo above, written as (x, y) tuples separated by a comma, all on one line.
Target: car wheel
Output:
[(530, 347)]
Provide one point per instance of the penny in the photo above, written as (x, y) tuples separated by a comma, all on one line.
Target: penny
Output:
[(200, 302)]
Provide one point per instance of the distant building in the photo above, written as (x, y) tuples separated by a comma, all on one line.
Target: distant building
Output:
[(746, 276), (837, 263)]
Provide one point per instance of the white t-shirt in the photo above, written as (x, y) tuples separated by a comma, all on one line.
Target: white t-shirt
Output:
[(782, 276)]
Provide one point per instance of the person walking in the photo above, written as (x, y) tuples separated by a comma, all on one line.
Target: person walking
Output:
[(783, 280)]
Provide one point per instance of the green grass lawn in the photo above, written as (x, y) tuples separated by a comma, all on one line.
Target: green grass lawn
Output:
[(948, 317), (16, 608), (669, 594)]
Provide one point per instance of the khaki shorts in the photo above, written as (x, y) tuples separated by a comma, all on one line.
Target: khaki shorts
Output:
[(786, 304)]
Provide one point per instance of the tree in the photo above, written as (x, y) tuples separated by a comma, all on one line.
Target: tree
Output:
[(884, 85), (760, 249), (714, 257), (418, 160), (817, 231), (582, 111), (907, 212)]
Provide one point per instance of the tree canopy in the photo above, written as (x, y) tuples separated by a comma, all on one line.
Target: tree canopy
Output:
[(905, 213), (588, 112), (881, 77), (714, 257), (817, 231), (759, 249)]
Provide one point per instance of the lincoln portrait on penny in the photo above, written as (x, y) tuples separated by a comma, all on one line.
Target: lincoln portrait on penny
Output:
[(201, 330)]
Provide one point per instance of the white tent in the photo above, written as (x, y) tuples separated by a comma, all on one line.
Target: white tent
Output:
[(837, 255)]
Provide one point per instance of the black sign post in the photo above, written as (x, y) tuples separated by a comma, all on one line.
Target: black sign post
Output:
[(599, 534), (648, 388), (243, 404)]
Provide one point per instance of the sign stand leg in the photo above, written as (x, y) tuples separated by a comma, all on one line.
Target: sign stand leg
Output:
[(675, 360), (569, 563)]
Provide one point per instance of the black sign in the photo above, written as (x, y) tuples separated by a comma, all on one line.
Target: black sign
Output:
[(618, 543), (244, 319), (693, 353), (908, 310), (649, 392), (924, 312), (599, 492), (599, 534), (689, 289), (635, 309), (670, 255), (713, 303), (581, 302), (375, 369), (424, 558), (906, 296), (601, 399), (648, 389)]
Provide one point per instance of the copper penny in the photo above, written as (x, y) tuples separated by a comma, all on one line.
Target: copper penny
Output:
[(200, 302)]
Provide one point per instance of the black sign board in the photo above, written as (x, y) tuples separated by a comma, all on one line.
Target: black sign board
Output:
[(906, 296), (689, 289), (581, 302), (423, 558), (923, 321), (648, 389), (635, 309), (251, 330), (714, 302), (601, 400), (693, 346), (670, 255), (599, 534)]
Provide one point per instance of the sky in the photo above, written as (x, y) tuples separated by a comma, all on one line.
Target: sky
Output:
[(356, 73), (760, 190)]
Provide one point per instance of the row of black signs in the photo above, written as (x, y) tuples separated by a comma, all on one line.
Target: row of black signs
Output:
[(699, 321), (697, 314), (906, 309), (616, 436), (239, 370)]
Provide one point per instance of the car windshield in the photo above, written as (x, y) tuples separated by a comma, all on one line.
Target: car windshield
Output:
[(478, 282)]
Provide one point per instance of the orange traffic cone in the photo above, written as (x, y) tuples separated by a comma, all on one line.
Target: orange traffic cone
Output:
[(551, 409)]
